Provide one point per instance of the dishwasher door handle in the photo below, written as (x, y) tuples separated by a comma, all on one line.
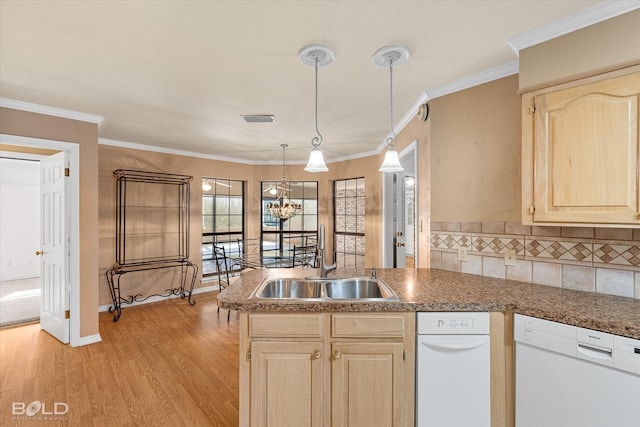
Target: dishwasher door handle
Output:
[(595, 352), (440, 345)]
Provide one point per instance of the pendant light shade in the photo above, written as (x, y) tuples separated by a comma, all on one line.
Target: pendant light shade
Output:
[(315, 55), (391, 162), (316, 161), (389, 56)]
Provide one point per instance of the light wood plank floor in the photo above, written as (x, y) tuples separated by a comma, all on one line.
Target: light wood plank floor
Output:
[(161, 364)]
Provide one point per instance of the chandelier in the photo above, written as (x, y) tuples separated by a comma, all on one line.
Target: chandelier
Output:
[(282, 207)]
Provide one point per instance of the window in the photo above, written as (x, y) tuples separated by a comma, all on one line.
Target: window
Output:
[(299, 230), (349, 215), (222, 219)]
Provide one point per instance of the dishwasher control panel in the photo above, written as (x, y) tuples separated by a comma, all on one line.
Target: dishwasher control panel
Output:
[(452, 323)]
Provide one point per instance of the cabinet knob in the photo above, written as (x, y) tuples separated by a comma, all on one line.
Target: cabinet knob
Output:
[(337, 354), (317, 354), (39, 252)]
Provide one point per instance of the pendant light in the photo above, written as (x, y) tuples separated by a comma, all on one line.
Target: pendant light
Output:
[(315, 55), (282, 207), (389, 56)]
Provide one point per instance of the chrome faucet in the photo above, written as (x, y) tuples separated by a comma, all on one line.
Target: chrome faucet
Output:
[(324, 268)]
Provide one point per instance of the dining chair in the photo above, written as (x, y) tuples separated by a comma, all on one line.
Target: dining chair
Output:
[(304, 256), (222, 265)]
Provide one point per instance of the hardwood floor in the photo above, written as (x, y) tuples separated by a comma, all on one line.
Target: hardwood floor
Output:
[(161, 364)]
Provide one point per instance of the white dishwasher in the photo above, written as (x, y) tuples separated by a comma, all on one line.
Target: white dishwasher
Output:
[(568, 376), (453, 375)]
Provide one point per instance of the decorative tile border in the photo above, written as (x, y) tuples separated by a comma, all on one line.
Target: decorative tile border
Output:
[(591, 259), (497, 245), (546, 243), (449, 241), (617, 253), (575, 251)]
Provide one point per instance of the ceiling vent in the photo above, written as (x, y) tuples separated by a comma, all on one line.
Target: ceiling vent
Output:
[(259, 118)]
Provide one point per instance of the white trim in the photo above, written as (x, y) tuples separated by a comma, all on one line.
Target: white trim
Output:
[(74, 220), (156, 149), (89, 339), (473, 80), (50, 111), (582, 19), (157, 298)]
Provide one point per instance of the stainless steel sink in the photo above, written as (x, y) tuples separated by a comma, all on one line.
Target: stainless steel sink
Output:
[(362, 289), (358, 288), (290, 288)]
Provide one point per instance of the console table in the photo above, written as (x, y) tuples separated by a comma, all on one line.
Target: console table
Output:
[(152, 232)]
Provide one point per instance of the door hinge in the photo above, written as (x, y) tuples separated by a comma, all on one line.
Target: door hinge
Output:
[(533, 108), (532, 209), (404, 356), (66, 314), (248, 355), (66, 171)]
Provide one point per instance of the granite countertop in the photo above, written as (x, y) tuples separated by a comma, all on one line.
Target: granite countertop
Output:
[(438, 290)]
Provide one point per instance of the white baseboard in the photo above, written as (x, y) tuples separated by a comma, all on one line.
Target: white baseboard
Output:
[(89, 339), (19, 277), (196, 291)]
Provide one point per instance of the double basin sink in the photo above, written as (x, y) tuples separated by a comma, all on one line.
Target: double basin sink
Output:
[(353, 289)]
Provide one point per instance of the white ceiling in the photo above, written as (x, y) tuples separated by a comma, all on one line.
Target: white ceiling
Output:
[(179, 74)]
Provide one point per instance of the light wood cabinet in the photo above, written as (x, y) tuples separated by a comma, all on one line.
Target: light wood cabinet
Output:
[(580, 152), (323, 369), (366, 384), (290, 379)]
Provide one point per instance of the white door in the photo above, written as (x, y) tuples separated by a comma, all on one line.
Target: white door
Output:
[(54, 247), (399, 221)]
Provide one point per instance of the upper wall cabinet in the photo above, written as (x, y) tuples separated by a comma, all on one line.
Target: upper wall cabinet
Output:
[(580, 152)]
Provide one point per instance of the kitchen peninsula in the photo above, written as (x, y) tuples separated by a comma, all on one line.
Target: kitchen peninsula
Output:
[(439, 290), (313, 361)]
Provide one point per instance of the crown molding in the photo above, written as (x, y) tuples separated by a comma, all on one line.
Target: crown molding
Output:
[(50, 111), (156, 149), (467, 82), (585, 18)]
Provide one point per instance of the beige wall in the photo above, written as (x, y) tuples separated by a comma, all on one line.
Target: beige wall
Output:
[(475, 154), (598, 47), (33, 125), (112, 158)]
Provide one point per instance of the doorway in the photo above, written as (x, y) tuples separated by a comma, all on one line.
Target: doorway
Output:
[(73, 151), (19, 238), (399, 213)]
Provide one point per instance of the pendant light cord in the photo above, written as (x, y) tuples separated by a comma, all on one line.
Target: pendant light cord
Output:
[(392, 140), (284, 176), (317, 140)]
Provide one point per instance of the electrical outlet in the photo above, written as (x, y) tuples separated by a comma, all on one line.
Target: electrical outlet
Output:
[(462, 253), (510, 257)]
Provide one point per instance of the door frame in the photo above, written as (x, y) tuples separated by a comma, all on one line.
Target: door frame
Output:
[(386, 238), (73, 150)]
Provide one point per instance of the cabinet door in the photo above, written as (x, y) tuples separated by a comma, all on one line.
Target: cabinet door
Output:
[(367, 383), (586, 153), (286, 384)]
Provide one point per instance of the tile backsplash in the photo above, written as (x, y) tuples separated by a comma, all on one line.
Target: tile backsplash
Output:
[(602, 260)]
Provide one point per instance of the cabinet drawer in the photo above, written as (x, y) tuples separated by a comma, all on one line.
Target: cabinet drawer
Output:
[(369, 325), (285, 325)]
